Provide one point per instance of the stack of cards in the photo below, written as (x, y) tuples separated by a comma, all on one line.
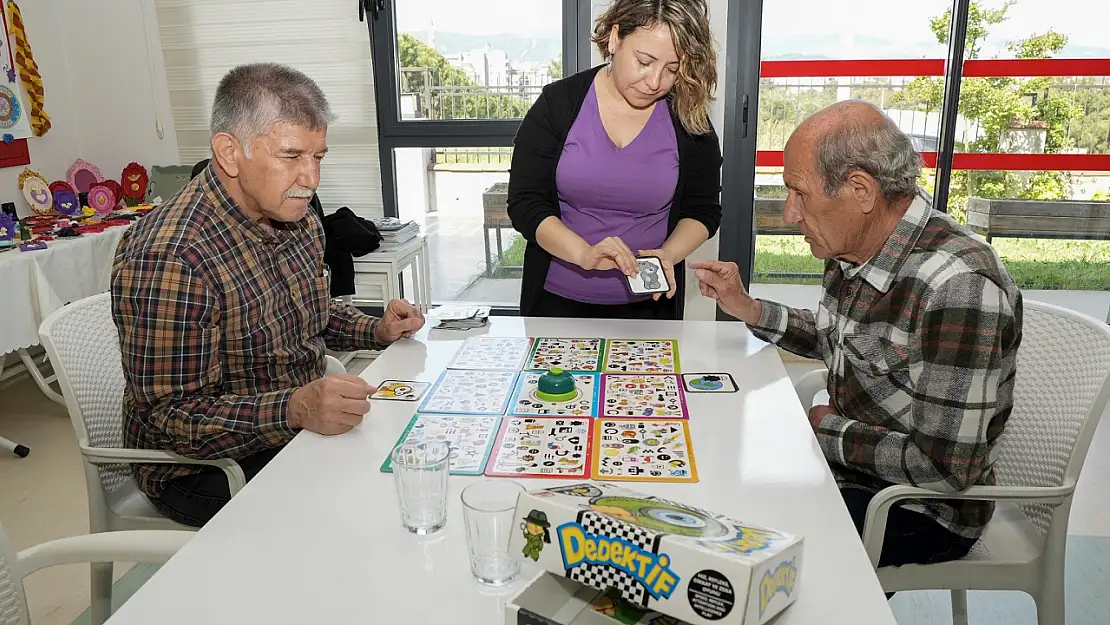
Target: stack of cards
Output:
[(461, 317)]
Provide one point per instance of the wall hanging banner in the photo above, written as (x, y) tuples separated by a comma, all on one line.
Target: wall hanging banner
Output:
[(13, 121)]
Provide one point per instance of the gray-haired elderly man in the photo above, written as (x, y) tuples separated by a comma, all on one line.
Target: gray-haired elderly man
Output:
[(222, 302), (919, 327)]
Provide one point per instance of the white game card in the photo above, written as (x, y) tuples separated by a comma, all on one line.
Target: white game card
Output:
[(526, 403), (492, 353), (641, 356), (464, 391), (650, 277), (643, 450), (401, 390), (469, 438), (709, 383), (566, 354), (542, 447), (643, 396)]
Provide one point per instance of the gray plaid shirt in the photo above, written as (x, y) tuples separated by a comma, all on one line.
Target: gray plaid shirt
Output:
[(921, 346)]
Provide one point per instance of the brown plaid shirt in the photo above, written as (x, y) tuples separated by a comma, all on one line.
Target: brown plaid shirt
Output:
[(220, 319), (921, 346)]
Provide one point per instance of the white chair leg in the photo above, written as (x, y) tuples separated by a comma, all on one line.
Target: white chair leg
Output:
[(1050, 600), (959, 607), (101, 606)]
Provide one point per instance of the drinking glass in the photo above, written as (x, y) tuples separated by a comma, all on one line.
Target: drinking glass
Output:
[(420, 472), (488, 510)]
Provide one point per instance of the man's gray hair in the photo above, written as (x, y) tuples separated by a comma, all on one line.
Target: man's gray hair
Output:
[(252, 98), (879, 148)]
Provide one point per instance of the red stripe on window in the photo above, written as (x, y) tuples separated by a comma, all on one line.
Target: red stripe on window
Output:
[(830, 68), (990, 162)]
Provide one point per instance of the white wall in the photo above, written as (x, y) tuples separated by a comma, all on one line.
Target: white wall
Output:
[(698, 307), (105, 93)]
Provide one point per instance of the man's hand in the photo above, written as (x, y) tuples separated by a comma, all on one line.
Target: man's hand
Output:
[(667, 261), (401, 319), (817, 414), (721, 281), (609, 253), (331, 405)]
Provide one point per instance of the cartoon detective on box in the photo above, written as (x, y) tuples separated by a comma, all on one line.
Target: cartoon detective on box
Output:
[(535, 527)]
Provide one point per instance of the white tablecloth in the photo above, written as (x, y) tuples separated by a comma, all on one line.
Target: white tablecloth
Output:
[(35, 284)]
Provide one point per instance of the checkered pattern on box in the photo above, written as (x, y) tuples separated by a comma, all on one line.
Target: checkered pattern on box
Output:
[(602, 577)]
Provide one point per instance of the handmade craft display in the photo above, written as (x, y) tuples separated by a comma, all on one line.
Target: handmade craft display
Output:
[(14, 121), (468, 438), (103, 197), (134, 180), (641, 356), (36, 191), (8, 230), (82, 175), (65, 198)]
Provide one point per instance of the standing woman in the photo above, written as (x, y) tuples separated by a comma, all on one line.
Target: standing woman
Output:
[(620, 161)]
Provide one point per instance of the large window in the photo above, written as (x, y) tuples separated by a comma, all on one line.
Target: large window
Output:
[(454, 79), (1023, 137)]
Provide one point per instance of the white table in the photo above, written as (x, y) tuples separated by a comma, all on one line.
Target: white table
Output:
[(315, 537), (35, 284), (383, 270)]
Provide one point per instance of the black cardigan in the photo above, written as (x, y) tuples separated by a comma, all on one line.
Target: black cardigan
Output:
[(532, 196)]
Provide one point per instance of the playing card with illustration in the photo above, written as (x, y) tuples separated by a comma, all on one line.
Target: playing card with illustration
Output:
[(641, 356), (542, 447), (643, 450), (658, 396), (468, 437)]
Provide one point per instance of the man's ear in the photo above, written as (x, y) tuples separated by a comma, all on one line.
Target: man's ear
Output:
[(227, 152), (864, 189)]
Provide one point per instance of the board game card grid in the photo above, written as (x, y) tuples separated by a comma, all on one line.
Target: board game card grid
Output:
[(549, 344), (642, 356), (667, 400), (524, 402), (643, 450), (517, 452), (465, 391), (469, 437), (492, 353)]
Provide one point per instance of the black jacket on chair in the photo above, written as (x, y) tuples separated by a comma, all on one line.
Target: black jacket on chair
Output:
[(345, 235)]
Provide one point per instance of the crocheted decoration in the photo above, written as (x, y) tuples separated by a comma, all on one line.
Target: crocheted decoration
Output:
[(37, 192), (135, 180), (28, 71)]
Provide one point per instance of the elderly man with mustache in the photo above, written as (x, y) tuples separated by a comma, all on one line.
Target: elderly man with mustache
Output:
[(222, 303)]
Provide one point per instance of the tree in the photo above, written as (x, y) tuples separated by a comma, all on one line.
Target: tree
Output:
[(447, 92), (998, 105), (555, 69)]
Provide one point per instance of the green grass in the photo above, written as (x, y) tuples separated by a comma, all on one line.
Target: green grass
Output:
[(1033, 263)]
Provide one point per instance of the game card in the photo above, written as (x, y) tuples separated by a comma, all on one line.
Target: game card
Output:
[(566, 354), (542, 447), (464, 391), (492, 353), (643, 450), (400, 390), (526, 403), (641, 356), (469, 437), (709, 383), (650, 277), (644, 396)]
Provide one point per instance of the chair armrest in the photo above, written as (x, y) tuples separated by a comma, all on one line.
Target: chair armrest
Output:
[(125, 546), (810, 384), (108, 455), (874, 524)]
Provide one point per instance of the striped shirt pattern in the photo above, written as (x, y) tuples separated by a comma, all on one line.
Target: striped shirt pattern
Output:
[(921, 347), (220, 319)]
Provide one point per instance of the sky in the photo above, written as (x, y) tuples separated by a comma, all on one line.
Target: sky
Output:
[(1084, 21)]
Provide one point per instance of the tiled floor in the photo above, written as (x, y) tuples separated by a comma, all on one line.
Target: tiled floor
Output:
[(42, 497)]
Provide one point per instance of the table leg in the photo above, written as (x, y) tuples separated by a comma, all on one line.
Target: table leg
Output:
[(489, 261), (426, 270), (42, 382), (500, 249)]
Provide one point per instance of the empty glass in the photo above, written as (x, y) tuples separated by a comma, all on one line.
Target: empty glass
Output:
[(488, 510), (420, 471)]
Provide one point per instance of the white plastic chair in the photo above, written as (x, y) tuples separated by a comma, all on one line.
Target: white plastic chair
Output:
[(81, 341), (152, 546), (1061, 391)]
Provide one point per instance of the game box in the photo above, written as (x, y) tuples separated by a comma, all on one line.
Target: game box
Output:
[(692, 565)]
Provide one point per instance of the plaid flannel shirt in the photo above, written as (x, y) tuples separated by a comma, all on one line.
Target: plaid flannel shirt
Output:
[(220, 319), (921, 347)]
